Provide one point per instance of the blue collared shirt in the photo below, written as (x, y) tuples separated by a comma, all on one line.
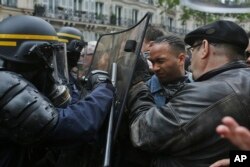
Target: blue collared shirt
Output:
[(163, 93)]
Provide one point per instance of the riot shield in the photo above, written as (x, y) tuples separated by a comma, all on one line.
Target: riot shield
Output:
[(111, 49), (117, 54)]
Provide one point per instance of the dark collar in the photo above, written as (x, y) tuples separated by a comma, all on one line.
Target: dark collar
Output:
[(226, 67)]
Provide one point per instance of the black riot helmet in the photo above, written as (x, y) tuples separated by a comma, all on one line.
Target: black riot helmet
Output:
[(75, 43), (27, 47), (18, 34)]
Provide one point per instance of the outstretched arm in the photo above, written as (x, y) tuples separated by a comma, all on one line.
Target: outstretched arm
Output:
[(83, 119), (238, 135)]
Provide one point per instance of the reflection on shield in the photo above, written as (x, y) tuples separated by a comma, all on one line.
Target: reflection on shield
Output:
[(110, 49), (117, 54), (85, 59)]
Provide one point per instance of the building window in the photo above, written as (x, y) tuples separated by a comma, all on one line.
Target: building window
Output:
[(11, 3), (75, 5), (77, 8), (170, 24), (86, 5), (70, 3), (134, 16), (80, 5), (151, 18), (151, 2), (125, 13), (92, 5), (51, 6), (99, 8), (118, 13), (63, 3)]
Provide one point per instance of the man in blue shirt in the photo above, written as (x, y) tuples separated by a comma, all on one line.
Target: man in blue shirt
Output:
[(167, 55)]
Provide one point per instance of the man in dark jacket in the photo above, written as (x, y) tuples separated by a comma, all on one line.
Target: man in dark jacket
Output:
[(182, 132)]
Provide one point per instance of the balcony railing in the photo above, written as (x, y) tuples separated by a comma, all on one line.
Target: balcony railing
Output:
[(83, 16), (90, 17)]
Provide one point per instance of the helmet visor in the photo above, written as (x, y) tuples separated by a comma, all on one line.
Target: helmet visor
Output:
[(60, 63)]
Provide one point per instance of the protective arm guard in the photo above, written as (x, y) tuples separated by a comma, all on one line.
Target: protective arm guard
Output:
[(25, 115)]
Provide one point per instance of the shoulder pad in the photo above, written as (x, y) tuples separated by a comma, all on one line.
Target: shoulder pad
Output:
[(26, 115)]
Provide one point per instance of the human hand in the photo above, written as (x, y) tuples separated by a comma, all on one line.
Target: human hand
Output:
[(238, 135), (141, 71), (221, 163), (96, 77)]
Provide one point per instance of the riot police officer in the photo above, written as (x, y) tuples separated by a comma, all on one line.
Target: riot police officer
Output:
[(33, 102), (73, 41)]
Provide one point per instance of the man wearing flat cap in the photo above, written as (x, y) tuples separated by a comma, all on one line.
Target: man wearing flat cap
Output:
[(182, 132)]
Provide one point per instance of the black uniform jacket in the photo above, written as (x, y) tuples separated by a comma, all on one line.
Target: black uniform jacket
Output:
[(182, 133)]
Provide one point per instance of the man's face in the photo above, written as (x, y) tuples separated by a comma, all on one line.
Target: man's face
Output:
[(195, 60), (167, 64)]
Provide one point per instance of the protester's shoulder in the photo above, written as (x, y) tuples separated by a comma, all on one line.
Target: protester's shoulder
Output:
[(205, 86), (234, 74)]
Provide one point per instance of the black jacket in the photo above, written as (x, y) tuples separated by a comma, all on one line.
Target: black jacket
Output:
[(29, 122), (182, 133)]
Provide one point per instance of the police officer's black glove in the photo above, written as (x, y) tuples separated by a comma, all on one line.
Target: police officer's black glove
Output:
[(96, 77), (141, 72)]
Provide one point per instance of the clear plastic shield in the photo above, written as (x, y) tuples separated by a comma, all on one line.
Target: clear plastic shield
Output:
[(85, 59), (60, 64), (120, 50)]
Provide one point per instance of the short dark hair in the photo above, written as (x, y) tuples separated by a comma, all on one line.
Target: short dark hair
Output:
[(153, 33), (174, 41), (233, 52)]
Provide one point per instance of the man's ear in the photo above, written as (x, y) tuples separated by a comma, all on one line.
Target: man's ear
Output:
[(181, 58), (205, 49)]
